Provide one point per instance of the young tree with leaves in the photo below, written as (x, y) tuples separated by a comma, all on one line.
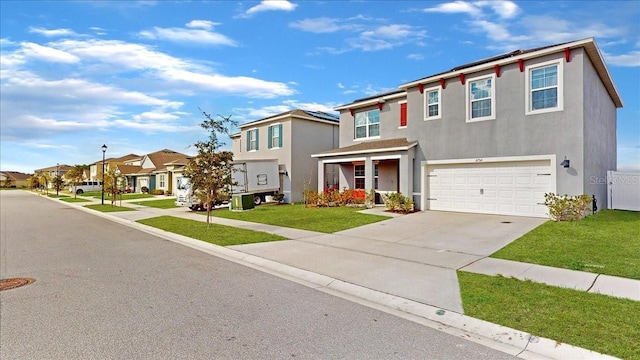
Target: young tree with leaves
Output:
[(58, 183), (75, 175), (113, 184), (210, 171)]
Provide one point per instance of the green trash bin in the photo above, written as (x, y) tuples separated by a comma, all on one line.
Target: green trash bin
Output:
[(240, 202)]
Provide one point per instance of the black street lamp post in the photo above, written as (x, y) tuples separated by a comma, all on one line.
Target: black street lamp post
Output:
[(104, 150), (57, 176)]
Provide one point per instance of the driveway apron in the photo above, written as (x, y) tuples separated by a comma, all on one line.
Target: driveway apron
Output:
[(413, 256)]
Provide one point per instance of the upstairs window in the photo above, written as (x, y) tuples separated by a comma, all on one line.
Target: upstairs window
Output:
[(367, 124), (252, 140), (275, 136), (403, 114), (432, 108), (481, 99), (544, 87)]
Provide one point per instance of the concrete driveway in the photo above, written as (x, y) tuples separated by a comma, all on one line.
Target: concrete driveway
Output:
[(413, 256)]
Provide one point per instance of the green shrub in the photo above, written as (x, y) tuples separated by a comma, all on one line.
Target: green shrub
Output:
[(167, 192), (397, 202), (157, 192), (566, 207)]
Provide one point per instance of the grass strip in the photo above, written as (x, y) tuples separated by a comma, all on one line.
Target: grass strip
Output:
[(58, 196), (74, 200), (592, 321), (131, 196), (605, 243), (108, 208), (160, 204), (217, 234), (326, 220)]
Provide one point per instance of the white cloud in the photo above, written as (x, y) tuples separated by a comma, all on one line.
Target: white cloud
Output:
[(415, 57), (45, 53), (271, 5), (504, 9), (201, 24), (189, 36), (340, 86), (52, 32), (317, 25), (631, 59), (455, 7)]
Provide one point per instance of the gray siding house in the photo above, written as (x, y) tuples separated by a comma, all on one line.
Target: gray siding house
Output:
[(490, 137), (290, 137)]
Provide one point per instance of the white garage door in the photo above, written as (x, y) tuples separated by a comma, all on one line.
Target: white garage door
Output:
[(506, 188)]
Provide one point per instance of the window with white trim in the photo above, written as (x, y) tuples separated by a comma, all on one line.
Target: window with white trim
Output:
[(375, 176), (481, 99), (367, 124), (544, 87), (432, 108), (161, 181), (275, 136), (252, 140), (358, 176)]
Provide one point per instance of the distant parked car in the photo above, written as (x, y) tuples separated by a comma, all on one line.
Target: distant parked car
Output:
[(86, 186)]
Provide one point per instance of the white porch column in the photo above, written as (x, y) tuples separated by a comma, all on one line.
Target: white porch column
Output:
[(406, 175), (368, 173), (320, 175)]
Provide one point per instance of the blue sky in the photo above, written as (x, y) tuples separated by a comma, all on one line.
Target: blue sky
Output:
[(132, 74)]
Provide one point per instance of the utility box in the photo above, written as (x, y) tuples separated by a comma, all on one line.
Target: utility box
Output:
[(240, 202)]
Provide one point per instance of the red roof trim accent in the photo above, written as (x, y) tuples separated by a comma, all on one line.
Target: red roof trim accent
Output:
[(420, 88), (442, 83), (497, 70), (461, 76), (380, 106), (521, 64), (352, 111), (567, 54)]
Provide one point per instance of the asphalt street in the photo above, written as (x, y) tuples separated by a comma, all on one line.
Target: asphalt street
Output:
[(107, 291)]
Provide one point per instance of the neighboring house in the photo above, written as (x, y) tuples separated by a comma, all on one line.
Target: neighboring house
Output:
[(290, 137), (52, 171), (491, 136), (95, 169), (153, 171), (15, 179)]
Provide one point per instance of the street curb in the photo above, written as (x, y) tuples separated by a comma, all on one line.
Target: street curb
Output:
[(513, 342)]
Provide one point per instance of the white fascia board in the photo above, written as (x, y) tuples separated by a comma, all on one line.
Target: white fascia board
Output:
[(489, 65), (361, 152), (370, 102)]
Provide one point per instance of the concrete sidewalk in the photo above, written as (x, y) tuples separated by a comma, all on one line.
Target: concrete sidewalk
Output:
[(400, 264)]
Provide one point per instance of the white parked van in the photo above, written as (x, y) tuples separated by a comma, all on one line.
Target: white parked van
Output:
[(86, 186)]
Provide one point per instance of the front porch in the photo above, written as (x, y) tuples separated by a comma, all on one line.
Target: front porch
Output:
[(383, 165)]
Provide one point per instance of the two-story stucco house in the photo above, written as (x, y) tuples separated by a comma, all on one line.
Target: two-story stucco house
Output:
[(290, 137), (491, 136)]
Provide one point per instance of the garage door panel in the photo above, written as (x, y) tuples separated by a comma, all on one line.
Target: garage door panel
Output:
[(510, 188)]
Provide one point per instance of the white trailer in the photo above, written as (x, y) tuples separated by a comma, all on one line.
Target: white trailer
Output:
[(259, 178)]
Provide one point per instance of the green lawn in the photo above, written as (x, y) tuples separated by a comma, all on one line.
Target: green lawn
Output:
[(605, 243), (596, 322), (74, 200), (58, 196), (108, 208), (326, 220), (216, 234), (160, 204), (132, 196)]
